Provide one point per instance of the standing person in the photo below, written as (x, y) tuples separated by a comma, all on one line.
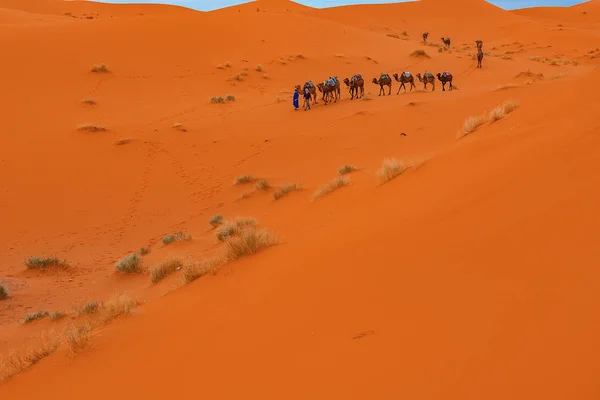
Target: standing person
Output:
[(306, 99), (296, 96)]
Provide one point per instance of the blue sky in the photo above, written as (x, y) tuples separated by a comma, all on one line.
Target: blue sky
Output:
[(207, 5)]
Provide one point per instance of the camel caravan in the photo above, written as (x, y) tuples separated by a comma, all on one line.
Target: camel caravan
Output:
[(330, 89)]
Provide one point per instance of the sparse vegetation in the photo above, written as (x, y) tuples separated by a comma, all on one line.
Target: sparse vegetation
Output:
[(115, 307), (244, 179), (164, 269), (3, 292), (259, 68), (419, 53), (56, 315), (224, 66), (16, 362), (100, 68), (337, 183), (248, 242), (472, 123), (262, 185), (285, 189), (500, 111), (179, 236), (91, 128), (240, 76), (198, 269), (346, 169), (88, 308), (393, 35), (89, 102), (44, 263), (129, 264), (390, 168), (77, 337), (35, 316), (144, 250), (216, 220), (217, 99), (230, 97), (179, 126), (235, 227)]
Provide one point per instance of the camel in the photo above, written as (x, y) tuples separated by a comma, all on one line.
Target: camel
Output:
[(446, 41), (445, 77), (479, 57), (425, 35), (356, 84), (329, 88), (384, 80), (312, 89), (405, 77), (428, 77)]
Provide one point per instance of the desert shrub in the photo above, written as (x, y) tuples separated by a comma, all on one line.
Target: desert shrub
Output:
[(16, 362), (337, 183), (119, 305), (37, 315), (230, 97), (198, 269), (164, 269), (3, 292), (176, 238), (500, 111), (285, 189), (244, 179), (346, 169), (144, 250), (248, 242), (262, 185), (472, 123), (393, 35), (44, 263), (91, 128), (390, 168), (235, 227), (89, 102), (56, 315), (88, 308), (77, 337), (100, 68), (259, 68), (131, 263), (216, 220), (217, 99), (419, 53)]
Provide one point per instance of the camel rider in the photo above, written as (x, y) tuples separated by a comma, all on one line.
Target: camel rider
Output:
[(306, 99)]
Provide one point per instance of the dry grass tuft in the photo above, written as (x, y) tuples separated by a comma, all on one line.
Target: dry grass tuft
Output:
[(178, 237), (121, 304), (286, 189), (3, 292), (78, 336), (56, 315), (16, 362), (198, 269), (259, 68), (337, 183), (91, 128), (217, 99), (100, 68), (131, 263), (230, 97), (35, 316), (234, 227), (244, 179), (262, 185), (346, 169), (248, 242), (390, 168), (164, 269), (419, 53), (144, 250), (502, 110), (90, 307), (472, 123), (44, 263), (89, 102), (216, 221)]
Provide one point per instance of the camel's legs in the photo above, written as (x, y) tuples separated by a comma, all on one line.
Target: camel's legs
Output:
[(450, 85), (390, 92)]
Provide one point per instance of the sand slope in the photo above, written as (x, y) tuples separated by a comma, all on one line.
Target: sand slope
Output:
[(469, 276)]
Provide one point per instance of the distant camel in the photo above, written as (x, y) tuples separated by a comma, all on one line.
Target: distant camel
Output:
[(328, 89), (445, 77), (312, 89), (356, 85), (405, 77), (425, 35), (384, 80), (479, 57), (446, 41), (428, 77)]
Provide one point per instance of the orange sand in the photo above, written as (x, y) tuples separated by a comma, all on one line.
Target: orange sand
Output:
[(473, 275)]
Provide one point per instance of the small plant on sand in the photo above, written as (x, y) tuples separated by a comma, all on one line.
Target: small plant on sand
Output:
[(230, 97), (217, 99), (262, 185), (90, 307), (91, 128), (77, 337), (235, 227), (346, 169), (164, 269), (44, 263), (500, 112), (35, 316), (176, 238), (248, 242), (89, 102), (330, 187), (56, 315), (100, 68), (144, 250), (121, 304), (390, 168), (129, 264), (244, 179), (419, 53), (198, 269), (285, 189), (259, 68), (216, 220), (240, 76), (224, 66), (3, 292), (393, 35), (472, 123)]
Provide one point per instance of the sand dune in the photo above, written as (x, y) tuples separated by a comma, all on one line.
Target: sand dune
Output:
[(469, 275)]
